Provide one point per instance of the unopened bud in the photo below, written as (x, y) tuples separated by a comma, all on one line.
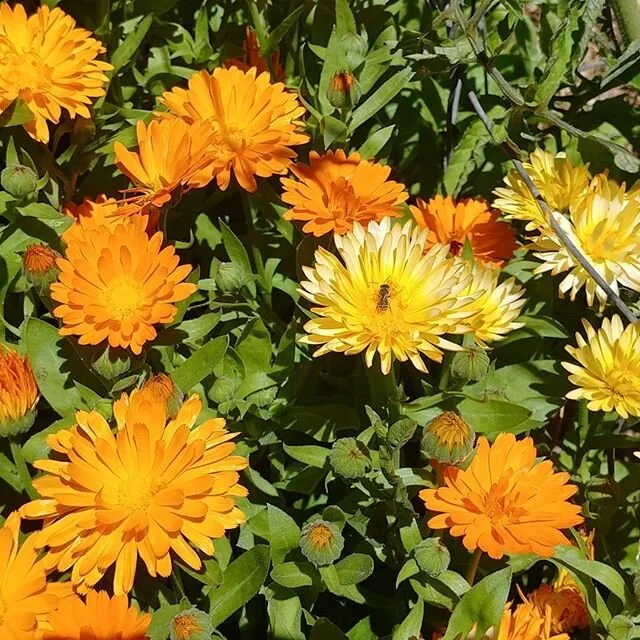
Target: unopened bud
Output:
[(447, 438), (343, 91), (470, 364), (112, 363), (162, 387), (230, 277), (432, 556), (40, 269), (19, 180), (191, 624)]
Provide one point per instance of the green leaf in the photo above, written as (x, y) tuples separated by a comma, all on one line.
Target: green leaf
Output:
[(242, 580), (380, 98), (55, 366), (285, 613), (125, 52), (254, 348), (375, 142), (324, 629), (237, 254), (355, 568), (281, 31), (333, 130), (161, 619), (15, 114), (443, 591), (345, 22), (481, 606), (200, 364), (310, 454), (295, 574), (411, 625), (9, 473), (284, 533), (492, 415), (400, 433)]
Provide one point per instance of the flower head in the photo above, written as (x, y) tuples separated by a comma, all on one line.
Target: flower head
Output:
[(453, 223), (568, 611), (321, 542), (605, 226), (526, 622), (496, 305), (385, 296), (171, 155), (505, 501), (560, 183), (99, 617), (153, 488), (608, 371), (118, 284), (26, 599), (253, 58), (254, 122), (448, 438), (18, 392), (336, 190), (191, 624), (39, 262), (91, 214), (50, 64)]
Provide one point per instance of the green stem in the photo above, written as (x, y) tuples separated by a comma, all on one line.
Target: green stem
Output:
[(473, 566), (176, 579), (255, 251), (21, 467), (384, 391)]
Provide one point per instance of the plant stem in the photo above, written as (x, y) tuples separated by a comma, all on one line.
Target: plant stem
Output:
[(21, 467), (384, 391), (255, 251), (473, 566)]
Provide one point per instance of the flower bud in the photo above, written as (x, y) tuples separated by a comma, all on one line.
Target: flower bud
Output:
[(321, 542), (112, 363), (432, 556), (230, 277), (621, 628), (447, 438), (349, 458), (19, 180), (343, 91), (40, 269), (161, 386), (18, 393), (470, 364), (191, 624)]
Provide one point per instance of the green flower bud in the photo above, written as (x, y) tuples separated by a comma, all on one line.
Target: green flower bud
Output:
[(344, 91), (432, 556), (230, 277), (19, 180), (222, 390), (349, 458), (448, 439), (40, 269), (321, 542), (113, 363), (470, 364), (191, 624)]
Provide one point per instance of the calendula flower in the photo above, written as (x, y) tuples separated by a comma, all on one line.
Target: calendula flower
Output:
[(496, 305), (253, 58), (448, 438), (505, 501), (99, 617), (154, 489), (608, 371), (39, 262), (117, 285), (191, 624), (526, 622), (18, 392), (254, 122), (171, 155), (605, 227), (454, 223), (50, 64), (26, 598), (559, 181), (91, 214), (336, 190), (567, 609), (321, 542), (385, 296)]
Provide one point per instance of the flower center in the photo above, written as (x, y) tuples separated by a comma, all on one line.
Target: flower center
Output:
[(621, 384), (499, 504), (342, 201), (123, 298), (184, 626), (455, 247), (24, 70), (136, 494), (321, 536)]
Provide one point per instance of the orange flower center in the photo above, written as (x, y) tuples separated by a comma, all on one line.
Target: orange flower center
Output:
[(455, 247), (184, 626), (124, 298), (24, 70), (342, 201), (500, 504), (321, 536)]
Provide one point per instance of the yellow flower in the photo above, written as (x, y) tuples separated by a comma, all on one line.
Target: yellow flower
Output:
[(172, 156), (99, 618), (385, 296), (605, 226), (50, 64), (496, 305), (18, 392), (608, 371), (154, 488), (254, 122), (117, 284), (558, 180), (26, 599)]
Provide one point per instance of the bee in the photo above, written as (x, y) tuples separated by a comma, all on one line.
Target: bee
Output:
[(384, 293)]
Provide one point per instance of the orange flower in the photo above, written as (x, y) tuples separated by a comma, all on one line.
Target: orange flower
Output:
[(335, 191), (568, 611), (26, 599), (526, 622), (254, 122), (253, 58), (92, 214), (171, 156), (156, 488), (505, 501), (50, 64), (39, 258), (100, 618), (493, 241), (117, 283), (18, 392)]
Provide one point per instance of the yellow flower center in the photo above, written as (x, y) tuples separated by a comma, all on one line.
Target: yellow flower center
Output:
[(385, 310), (184, 626), (621, 384), (124, 298), (25, 70), (136, 494), (321, 536)]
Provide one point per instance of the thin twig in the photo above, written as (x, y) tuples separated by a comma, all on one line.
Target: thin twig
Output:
[(550, 214)]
